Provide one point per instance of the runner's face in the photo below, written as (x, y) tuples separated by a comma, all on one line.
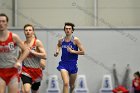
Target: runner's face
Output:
[(28, 31), (68, 30), (3, 23)]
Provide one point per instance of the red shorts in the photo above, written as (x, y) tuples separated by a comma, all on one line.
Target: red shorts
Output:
[(35, 73), (8, 73)]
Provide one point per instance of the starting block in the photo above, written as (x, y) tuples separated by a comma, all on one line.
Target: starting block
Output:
[(81, 84), (53, 85)]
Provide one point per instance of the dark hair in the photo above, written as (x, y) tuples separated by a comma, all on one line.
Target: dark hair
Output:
[(137, 73), (2, 14), (69, 24), (32, 28), (28, 25)]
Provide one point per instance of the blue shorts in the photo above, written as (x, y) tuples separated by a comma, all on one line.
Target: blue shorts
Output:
[(70, 66)]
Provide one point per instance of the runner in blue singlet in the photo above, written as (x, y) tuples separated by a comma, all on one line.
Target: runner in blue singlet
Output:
[(71, 48)]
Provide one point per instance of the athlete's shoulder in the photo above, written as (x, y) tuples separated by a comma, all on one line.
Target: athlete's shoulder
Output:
[(14, 35), (60, 39), (38, 42), (76, 38)]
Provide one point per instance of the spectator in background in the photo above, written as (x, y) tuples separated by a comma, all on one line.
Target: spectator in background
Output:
[(136, 82)]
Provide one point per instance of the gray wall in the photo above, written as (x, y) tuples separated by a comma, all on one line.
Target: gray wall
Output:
[(53, 13), (119, 13), (104, 47)]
